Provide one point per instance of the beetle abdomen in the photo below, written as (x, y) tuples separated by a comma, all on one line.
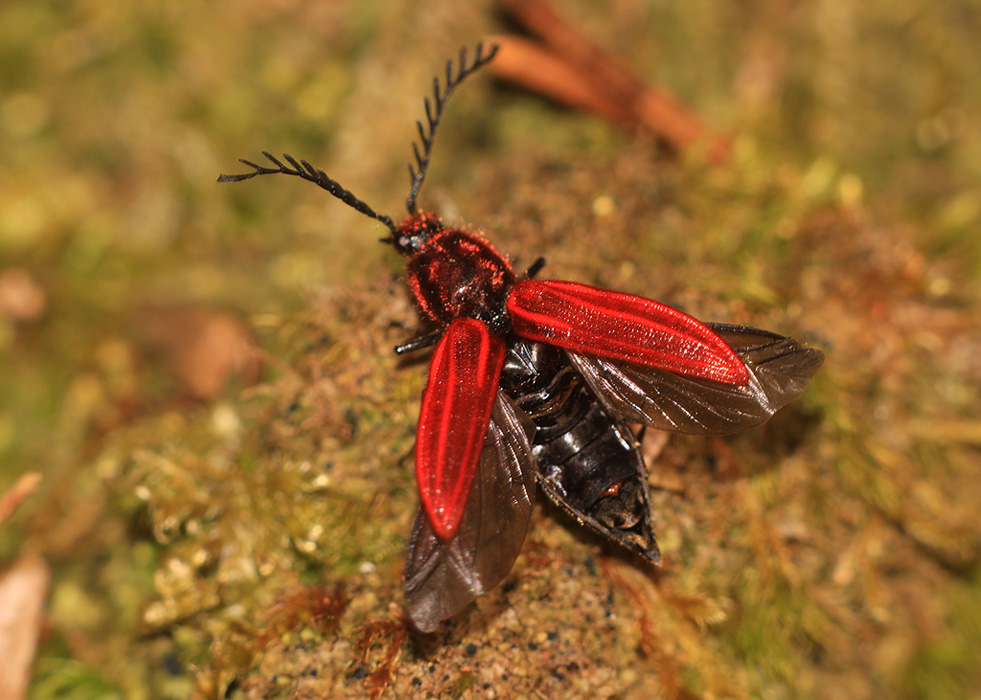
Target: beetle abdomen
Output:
[(588, 462)]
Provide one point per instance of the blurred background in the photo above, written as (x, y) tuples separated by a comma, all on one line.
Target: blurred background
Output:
[(204, 437)]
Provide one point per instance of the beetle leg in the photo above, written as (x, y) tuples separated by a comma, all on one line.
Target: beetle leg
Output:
[(420, 341), (535, 268)]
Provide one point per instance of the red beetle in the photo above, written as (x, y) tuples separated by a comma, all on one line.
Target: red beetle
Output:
[(533, 381)]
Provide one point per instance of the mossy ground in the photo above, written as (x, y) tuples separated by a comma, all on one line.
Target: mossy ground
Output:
[(251, 546)]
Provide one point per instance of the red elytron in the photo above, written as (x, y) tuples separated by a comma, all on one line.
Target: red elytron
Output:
[(531, 381), (463, 378), (621, 327)]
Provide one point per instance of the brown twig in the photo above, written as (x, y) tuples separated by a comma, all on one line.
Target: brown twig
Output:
[(566, 67), (535, 68)]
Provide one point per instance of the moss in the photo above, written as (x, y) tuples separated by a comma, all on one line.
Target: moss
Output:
[(251, 546)]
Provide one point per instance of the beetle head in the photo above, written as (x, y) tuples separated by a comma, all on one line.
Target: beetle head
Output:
[(414, 232)]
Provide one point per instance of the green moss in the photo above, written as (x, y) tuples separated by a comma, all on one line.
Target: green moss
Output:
[(255, 542)]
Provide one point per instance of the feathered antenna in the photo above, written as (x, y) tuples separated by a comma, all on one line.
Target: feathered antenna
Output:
[(434, 111), (304, 170)]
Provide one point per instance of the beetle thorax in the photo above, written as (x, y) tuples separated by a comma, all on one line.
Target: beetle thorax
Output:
[(454, 273)]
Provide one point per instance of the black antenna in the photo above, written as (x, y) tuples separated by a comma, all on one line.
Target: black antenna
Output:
[(311, 174), (418, 173)]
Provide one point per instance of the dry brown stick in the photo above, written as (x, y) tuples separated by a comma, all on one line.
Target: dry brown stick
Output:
[(537, 69), (623, 94), (540, 20)]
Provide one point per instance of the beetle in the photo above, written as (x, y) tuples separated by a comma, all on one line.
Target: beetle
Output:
[(533, 383)]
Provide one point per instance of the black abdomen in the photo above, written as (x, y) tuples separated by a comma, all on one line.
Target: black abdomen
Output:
[(588, 461)]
